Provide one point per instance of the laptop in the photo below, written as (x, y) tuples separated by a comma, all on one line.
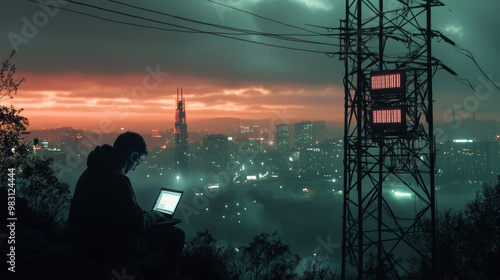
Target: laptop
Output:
[(166, 203)]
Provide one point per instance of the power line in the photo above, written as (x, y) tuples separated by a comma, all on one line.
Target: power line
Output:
[(265, 18), (468, 54), (189, 29), (115, 21), (244, 31)]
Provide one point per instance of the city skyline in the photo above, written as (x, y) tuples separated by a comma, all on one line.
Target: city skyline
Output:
[(131, 80)]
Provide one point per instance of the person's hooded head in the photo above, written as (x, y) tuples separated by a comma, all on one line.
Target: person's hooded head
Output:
[(132, 147)]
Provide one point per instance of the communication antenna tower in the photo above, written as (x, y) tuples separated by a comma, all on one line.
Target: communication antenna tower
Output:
[(181, 135)]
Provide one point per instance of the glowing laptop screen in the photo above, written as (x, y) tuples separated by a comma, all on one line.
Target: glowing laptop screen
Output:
[(167, 201)]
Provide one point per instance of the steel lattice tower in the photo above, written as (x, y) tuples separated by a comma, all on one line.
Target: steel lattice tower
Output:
[(181, 134), (377, 38)]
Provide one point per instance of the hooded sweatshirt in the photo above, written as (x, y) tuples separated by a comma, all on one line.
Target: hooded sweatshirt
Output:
[(105, 219)]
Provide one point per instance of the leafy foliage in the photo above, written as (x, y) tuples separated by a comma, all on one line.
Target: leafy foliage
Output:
[(205, 258), (468, 241), (13, 130), (268, 257), (318, 268), (8, 84), (265, 257), (46, 194), (12, 126), (44, 198), (387, 269)]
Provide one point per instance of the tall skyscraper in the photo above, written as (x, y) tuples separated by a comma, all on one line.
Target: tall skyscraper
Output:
[(319, 132), (303, 135), (181, 135), (282, 136)]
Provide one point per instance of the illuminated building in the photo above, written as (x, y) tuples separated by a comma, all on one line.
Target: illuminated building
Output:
[(303, 135), (282, 137), (72, 139), (215, 152), (256, 144), (468, 161), (318, 131), (331, 164), (156, 139)]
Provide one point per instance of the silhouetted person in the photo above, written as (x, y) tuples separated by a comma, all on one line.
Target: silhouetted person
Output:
[(105, 220)]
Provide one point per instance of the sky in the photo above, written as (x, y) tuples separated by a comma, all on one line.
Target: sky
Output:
[(86, 72)]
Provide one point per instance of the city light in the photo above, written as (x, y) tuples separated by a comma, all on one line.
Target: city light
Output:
[(462, 141), (402, 194)]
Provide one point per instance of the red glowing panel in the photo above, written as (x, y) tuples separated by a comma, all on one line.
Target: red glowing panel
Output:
[(387, 116), (386, 81)]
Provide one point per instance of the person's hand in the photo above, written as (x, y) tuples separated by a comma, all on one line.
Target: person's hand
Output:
[(158, 216)]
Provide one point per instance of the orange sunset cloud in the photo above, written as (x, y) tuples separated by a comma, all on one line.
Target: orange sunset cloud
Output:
[(143, 101)]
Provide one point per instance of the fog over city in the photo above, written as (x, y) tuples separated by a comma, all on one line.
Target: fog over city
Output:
[(305, 210)]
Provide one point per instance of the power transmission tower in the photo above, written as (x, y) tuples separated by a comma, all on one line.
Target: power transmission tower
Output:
[(389, 149)]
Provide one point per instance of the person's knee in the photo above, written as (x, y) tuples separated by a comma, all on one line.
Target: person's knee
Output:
[(180, 235)]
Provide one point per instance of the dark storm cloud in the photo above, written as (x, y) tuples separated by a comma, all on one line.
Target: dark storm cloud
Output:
[(71, 41), (474, 26), (105, 51)]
